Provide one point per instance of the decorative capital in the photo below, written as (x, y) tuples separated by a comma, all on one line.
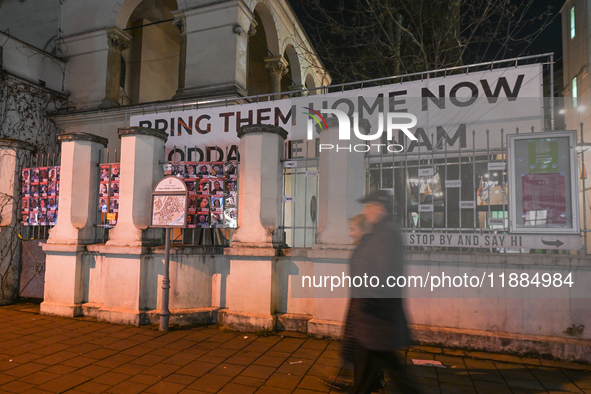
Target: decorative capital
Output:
[(118, 40), (135, 130), (80, 136), (252, 30), (180, 23), (276, 66)]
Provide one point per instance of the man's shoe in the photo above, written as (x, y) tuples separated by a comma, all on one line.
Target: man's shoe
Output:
[(337, 383)]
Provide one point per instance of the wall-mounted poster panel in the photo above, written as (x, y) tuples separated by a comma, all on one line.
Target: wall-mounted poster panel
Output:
[(40, 195), (543, 183), (109, 194), (212, 192)]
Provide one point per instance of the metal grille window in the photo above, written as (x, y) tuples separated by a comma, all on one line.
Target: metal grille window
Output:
[(300, 191)]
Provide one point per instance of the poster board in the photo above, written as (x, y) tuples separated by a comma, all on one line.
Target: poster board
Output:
[(543, 185), (40, 188), (212, 188), (108, 205)]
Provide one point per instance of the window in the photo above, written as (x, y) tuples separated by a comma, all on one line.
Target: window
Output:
[(575, 92), (572, 22)]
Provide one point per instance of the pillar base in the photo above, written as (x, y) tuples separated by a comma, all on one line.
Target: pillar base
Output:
[(248, 322), (293, 322), (123, 316), (187, 317), (61, 309), (326, 328)]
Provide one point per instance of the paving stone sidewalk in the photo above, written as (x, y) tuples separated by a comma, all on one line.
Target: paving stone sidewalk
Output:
[(46, 354)]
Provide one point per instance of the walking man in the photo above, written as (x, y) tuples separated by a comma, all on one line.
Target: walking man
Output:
[(379, 325)]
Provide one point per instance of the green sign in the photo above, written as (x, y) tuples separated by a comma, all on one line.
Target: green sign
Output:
[(543, 155)]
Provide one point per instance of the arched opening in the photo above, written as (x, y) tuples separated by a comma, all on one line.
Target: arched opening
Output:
[(263, 44), (292, 79), (152, 60), (310, 84)]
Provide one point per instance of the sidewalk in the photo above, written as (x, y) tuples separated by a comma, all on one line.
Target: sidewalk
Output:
[(45, 354)]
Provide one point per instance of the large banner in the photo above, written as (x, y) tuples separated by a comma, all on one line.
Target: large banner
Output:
[(449, 110)]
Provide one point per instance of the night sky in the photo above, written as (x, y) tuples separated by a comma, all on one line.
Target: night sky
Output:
[(549, 40)]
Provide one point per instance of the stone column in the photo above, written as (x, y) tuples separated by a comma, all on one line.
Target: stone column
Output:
[(210, 35), (65, 278), (12, 158), (118, 42), (341, 184), (78, 189), (252, 281), (260, 191), (181, 23), (277, 68), (142, 150)]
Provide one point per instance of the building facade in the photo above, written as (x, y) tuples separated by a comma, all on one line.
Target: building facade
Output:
[(159, 57)]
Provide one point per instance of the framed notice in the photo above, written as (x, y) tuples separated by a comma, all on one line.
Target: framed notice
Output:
[(170, 203), (543, 185)]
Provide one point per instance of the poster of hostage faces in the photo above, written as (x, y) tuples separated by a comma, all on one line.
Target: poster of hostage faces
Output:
[(213, 191), (40, 195), (109, 194)]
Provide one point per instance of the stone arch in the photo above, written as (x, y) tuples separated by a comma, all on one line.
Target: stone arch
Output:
[(152, 61), (121, 12), (262, 46), (310, 83), (292, 57), (267, 20)]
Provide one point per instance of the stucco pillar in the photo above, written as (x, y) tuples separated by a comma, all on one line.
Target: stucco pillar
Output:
[(210, 34), (78, 189), (12, 157), (341, 184), (64, 274), (252, 281), (142, 150), (260, 190), (276, 67), (118, 42), (181, 24)]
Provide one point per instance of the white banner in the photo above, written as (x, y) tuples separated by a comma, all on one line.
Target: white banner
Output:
[(448, 111)]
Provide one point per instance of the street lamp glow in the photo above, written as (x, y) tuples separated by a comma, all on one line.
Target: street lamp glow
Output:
[(562, 112)]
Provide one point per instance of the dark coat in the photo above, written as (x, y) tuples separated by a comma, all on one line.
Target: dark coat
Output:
[(379, 322)]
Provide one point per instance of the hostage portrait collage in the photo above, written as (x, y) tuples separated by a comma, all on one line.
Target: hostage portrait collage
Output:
[(109, 194), (213, 188), (40, 191)]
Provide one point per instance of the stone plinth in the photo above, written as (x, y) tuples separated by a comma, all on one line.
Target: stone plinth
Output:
[(251, 289), (141, 151)]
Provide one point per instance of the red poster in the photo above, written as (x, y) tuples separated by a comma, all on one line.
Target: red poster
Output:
[(543, 199)]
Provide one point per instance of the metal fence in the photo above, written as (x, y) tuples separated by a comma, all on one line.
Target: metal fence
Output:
[(483, 177)]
